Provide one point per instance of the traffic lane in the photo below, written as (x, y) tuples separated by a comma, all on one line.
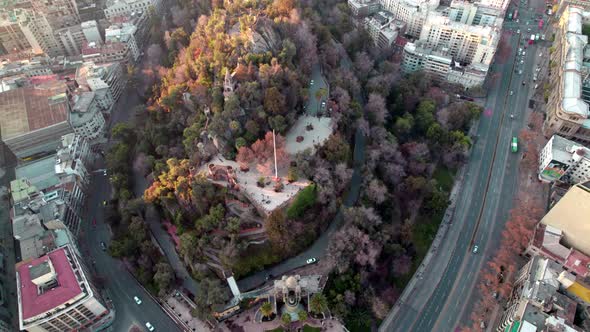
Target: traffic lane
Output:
[(506, 175), (119, 282), (433, 307)]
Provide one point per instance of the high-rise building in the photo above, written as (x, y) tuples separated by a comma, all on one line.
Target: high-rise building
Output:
[(91, 32), (55, 294), (59, 13), (106, 80), (565, 161), (568, 113), (413, 13), (86, 118)]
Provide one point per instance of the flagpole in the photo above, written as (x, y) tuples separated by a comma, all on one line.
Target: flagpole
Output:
[(274, 144)]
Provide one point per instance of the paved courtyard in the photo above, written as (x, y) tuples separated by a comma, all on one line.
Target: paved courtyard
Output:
[(266, 197), (320, 131)]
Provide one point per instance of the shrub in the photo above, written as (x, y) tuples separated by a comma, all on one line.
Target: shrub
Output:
[(304, 200)]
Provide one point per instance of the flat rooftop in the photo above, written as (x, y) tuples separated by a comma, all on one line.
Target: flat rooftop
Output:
[(40, 173), (23, 110), (31, 302)]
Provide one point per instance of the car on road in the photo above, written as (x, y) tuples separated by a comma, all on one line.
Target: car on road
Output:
[(518, 31), (520, 72), (323, 104), (475, 249), (524, 53), (104, 203), (268, 277), (511, 92), (137, 300), (311, 260), (149, 326), (103, 246), (514, 144), (311, 83), (523, 83)]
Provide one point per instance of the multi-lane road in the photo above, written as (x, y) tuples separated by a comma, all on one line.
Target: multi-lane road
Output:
[(120, 284), (439, 299)]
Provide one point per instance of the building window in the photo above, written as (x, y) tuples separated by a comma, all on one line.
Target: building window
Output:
[(565, 129)]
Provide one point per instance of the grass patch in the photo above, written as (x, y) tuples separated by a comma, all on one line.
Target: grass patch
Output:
[(307, 328), (304, 199), (255, 259), (444, 177)]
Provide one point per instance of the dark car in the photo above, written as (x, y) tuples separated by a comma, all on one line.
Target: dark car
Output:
[(103, 246)]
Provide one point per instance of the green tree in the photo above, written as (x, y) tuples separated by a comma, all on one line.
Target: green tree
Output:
[(288, 52), (425, 115), (164, 276), (318, 303), (274, 101), (266, 309), (403, 125), (286, 318), (436, 134), (240, 142), (278, 123), (304, 200), (123, 132), (302, 315)]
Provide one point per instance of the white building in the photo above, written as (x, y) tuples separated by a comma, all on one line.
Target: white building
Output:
[(568, 111), (473, 75), (413, 13), (564, 160), (115, 8), (106, 80), (86, 118), (91, 32), (466, 43), (55, 294), (123, 33)]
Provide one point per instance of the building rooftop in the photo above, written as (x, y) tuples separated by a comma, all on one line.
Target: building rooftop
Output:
[(32, 301), (570, 215), (40, 173), (23, 110), (578, 263), (22, 189)]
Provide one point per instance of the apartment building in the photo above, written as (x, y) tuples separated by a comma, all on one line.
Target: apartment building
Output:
[(116, 8), (106, 80), (55, 294), (86, 118), (33, 119), (568, 114), (413, 13), (565, 161), (467, 44), (363, 8), (59, 13), (120, 45), (383, 28)]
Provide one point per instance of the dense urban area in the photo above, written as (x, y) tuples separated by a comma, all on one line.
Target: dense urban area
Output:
[(294, 165)]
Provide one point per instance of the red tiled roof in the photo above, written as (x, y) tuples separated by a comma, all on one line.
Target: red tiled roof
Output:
[(581, 268), (33, 303), (43, 79)]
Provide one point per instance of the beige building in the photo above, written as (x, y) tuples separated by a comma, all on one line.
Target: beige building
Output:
[(116, 8), (571, 216), (568, 114), (413, 13)]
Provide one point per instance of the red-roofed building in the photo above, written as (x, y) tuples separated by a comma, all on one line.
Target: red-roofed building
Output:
[(54, 294), (546, 242)]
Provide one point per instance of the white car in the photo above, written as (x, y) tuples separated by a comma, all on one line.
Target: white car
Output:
[(540, 54), (511, 93), (137, 300), (518, 31), (149, 326), (311, 83), (311, 260), (475, 249)]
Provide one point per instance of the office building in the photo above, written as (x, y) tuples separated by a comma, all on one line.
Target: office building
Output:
[(568, 114), (565, 161), (56, 294), (86, 118), (33, 119), (106, 80)]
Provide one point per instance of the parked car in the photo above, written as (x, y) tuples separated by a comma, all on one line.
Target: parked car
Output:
[(311, 83), (137, 300), (149, 326), (311, 260), (475, 249)]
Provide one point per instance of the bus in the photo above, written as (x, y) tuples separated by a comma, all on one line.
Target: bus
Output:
[(514, 144), (541, 24), (515, 16)]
